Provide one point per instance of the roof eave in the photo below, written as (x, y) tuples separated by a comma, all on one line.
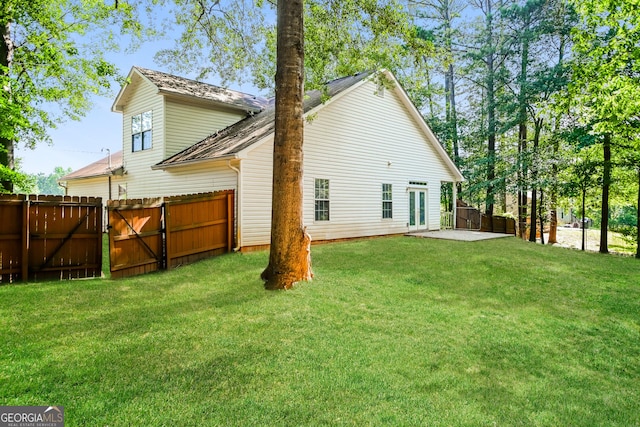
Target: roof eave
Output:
[(119, 171), (245, 108), (117, 106), (226, 157)]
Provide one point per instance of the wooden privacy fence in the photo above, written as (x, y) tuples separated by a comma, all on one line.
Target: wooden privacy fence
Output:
[(146, 235), (49, 237), (498, 224), (470, 218)]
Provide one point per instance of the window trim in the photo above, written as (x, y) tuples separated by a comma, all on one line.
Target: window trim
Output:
[(326, 201), (387, 201), (144, 133)]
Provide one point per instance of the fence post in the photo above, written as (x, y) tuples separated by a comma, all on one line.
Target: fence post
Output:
[(167, 234), (230, 219)]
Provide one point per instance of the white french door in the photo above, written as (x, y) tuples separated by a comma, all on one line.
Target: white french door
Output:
[(417, 209)]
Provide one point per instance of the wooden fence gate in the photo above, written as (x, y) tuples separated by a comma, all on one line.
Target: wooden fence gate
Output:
[(50, 237), (146, 235), (135, 236)]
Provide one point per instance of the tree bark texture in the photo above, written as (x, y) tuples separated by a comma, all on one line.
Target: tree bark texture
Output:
[(289, 257), (522, 179), (6, 144), (491, 116), (534, 178), (606, 180)]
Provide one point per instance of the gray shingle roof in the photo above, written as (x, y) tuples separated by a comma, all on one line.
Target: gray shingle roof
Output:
[(252, 129), (171, 84)]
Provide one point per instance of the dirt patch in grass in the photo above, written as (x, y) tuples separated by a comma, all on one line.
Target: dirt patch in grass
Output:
[(572, 238)]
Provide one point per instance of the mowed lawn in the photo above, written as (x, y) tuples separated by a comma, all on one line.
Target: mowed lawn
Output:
[(392, 331)]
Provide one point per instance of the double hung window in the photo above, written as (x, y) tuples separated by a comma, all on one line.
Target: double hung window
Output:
[(322, 199), (141, 125), (387, 201)]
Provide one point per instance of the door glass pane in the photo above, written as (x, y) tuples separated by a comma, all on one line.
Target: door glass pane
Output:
[(412, 208), (423, 205)]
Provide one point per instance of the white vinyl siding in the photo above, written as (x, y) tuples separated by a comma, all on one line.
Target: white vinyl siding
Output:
[(257, 175), (321, 201), (94, 187), (356, 142), (183, 126), (188, 124), (143, 97)]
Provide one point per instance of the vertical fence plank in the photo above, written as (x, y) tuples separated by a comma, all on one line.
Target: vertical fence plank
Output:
[(25, 240), (51, 237)]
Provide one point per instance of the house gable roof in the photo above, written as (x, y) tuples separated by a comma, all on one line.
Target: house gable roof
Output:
[(171, 85), (243, 135), (110, 165), (230, 141)]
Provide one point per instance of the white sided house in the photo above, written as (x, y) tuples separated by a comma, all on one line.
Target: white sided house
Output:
[(371, 164)]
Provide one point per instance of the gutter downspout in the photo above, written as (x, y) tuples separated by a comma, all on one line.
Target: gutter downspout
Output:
[(238, 203)]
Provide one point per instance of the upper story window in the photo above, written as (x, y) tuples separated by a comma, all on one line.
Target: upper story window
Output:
[(141, 131), (387, 201), (322, 199)]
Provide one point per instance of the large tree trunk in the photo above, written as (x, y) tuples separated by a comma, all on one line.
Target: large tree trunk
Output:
[(522, 140), (289, 257), (553, 203), (6, 144), (606, 180), (522, 179), (534, 179), (491, 115)]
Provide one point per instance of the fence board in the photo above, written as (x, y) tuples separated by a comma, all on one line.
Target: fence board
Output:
[(135, 236), (181, 229), (12, 238), (65, 237), (49, 237), (198, 226)]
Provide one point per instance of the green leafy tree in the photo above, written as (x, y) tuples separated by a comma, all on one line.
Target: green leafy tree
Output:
[(48, 183), (439, 19), (606, 80), (53, 52), (236, 39)]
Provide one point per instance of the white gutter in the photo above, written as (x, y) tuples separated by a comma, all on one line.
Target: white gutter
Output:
[(227, 157), (238, 204)]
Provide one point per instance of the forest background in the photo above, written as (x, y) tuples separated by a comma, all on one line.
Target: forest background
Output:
[(537, 102)]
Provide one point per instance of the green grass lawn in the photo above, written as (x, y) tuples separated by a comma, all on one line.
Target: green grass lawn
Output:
[(392, 331)]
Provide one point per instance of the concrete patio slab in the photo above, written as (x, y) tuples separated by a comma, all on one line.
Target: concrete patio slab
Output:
[(461, 235)]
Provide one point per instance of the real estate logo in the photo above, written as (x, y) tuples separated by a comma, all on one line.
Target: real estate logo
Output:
[(31, 416)]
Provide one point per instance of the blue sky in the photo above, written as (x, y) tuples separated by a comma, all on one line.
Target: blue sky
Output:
[(78, 143)]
